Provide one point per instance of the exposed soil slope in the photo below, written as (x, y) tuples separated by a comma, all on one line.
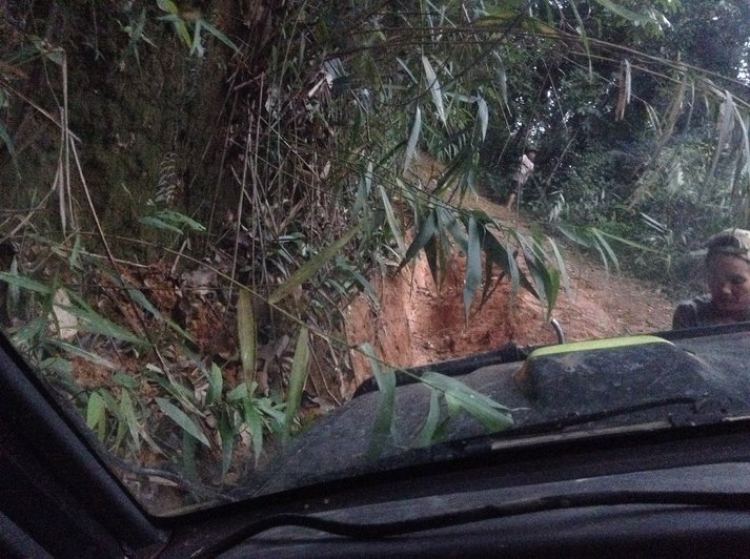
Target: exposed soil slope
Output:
[(416, 324)]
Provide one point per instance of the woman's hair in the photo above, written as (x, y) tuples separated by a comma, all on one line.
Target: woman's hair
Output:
[(734, 242)]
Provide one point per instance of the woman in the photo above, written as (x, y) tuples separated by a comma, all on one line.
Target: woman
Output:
[(728, 278)]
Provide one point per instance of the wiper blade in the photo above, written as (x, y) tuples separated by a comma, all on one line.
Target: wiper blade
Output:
[(701, 411), (556, 425), (713, 500)]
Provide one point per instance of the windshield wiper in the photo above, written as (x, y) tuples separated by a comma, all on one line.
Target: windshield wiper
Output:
[(702, 411), (714, 500), (562, 423)]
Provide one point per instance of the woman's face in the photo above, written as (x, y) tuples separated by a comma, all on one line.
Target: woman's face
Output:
[(729, 283)]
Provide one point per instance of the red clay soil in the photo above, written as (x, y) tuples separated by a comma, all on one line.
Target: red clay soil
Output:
[(416, 324)]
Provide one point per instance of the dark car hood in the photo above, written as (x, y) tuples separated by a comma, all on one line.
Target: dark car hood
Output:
[(593, 386)]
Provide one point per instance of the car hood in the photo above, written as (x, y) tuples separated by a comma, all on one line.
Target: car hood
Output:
[(584, 388)]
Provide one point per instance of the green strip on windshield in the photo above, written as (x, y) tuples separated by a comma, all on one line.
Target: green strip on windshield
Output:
[(596, 344)]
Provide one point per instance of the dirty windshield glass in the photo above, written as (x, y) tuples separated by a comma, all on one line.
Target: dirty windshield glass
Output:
[(221, 220)]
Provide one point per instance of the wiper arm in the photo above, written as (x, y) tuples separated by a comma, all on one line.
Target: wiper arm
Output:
[(713, 500), (559, 424), (484, 443)]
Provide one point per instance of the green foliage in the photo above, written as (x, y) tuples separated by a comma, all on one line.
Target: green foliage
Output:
[(302, 157), (445, 391), (297, 380), (172, 221), (189, 26)]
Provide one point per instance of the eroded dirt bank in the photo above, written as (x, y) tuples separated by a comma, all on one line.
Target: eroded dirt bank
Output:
[(415, 323)]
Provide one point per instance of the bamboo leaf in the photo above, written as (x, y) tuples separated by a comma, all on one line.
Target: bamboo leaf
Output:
[(125, 380), (184, 421), (179, 26), (581, 29), (306, 272), (502, 78), (624, 91), (383, 424), (500, 255), (363, 190), (411, 146), (624, 12), (432, 253), (483, 116), (605, 245), (26, 283), (254, 423), (227, 434), (167, 6), (220, 36), (91, 321), (546, 279), (627, 242), (745, 139), (427, 434), (493, 416), (95, 414), (434, 86), (215, 385), (425, 234), (127, 412), (406, 69), (392, 222), (473, 265), (580, 238), (247, 335), (560, 261), (296, 380), (79, 352), (447, 220), (177, 218), (160, 224), (196, 47)]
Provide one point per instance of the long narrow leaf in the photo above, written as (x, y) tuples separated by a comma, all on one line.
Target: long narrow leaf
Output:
[(26, 283), (296, 380), (411, 146), (95, 414), (384, 415), (76, 351), (434, 86), (184, 421), (483, 116), (226, 433), (307, 271), (427, 434), (493, 416), (255, 426), (91, 321), (127, 412), (447, 220), (215, 385), (247, 335), (624, 12), (220, 36), (560, 261), (392, 222), (605, 245), (473, 265)]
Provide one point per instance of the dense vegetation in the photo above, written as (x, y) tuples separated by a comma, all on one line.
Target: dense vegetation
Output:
[(257, 158)]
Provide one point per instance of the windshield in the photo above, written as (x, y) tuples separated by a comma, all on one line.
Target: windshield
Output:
[(221, 222)]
